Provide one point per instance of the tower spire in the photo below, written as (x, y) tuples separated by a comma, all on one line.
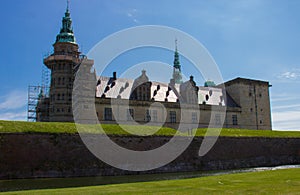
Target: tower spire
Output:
[(176, 66), (68, 5), (66, 34)]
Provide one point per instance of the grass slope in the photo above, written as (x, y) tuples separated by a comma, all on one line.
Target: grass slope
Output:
[(111, 129), (285, 181)]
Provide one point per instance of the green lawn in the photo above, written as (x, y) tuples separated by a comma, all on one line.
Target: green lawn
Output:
[(56, 127), (285, 181)]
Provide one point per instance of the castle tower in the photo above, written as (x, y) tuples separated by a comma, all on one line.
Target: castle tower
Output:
[(176, 66), (63, 64), (253, 98)]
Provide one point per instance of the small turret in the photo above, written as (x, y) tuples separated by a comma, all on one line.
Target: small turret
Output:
[(209, 83)]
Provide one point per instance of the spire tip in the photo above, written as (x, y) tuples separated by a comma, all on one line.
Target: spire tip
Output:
[(68, 5)]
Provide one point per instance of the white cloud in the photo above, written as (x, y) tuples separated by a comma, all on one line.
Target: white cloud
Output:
[(13, 100), (284, 98), (132, 14), (12, 106), (293, 74), (14, 116), (286, 120), (294, 106)]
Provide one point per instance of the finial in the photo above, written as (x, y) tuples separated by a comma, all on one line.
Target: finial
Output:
[(176, 43), (68, 5)]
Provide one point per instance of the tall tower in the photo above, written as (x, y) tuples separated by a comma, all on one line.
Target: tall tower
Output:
[(63, 64), (176, 66)]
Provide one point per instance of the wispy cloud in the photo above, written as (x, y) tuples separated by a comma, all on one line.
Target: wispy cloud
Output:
[(12, 105), (13, 116), (132, 14), (294, 106), (285, 98), (13, 100), (286, 120), (293, 74)]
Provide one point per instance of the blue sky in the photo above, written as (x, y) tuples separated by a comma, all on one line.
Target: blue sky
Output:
[(257, 39)]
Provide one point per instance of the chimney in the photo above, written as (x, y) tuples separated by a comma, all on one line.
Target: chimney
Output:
[(191, 78), (115, 75)]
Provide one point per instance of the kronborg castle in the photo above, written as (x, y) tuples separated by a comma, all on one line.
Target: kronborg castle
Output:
[(247, 101)]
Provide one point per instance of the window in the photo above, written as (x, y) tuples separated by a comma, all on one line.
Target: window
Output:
[(218, 119), (107, 114), (154, 115), (234, 120), (130, 114), (148, 116), (172, 117), (58, 96), (194, 117), (63, 96)]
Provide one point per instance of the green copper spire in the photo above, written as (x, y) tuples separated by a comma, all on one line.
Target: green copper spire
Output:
[(176, 67), (176, 57), (66, 34)]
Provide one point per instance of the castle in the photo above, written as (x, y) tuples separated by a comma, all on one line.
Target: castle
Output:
[(247, 101)]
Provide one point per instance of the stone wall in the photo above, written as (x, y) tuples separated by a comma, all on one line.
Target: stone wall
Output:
[(64, 155)]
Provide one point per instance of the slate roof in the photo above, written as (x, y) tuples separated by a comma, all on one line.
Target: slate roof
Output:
[(121, 88)]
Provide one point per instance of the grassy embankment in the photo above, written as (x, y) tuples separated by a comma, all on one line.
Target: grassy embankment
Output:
[(285, 181), (55, 127)]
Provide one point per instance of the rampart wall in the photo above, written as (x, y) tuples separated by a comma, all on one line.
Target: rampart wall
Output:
[(65, 155)]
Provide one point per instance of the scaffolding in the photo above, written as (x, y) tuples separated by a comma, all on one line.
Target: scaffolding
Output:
[(46, 81), (36, 93), (33, 97)]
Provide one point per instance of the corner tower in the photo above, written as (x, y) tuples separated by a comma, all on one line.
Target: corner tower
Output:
[(63, 64), (176, 66)]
